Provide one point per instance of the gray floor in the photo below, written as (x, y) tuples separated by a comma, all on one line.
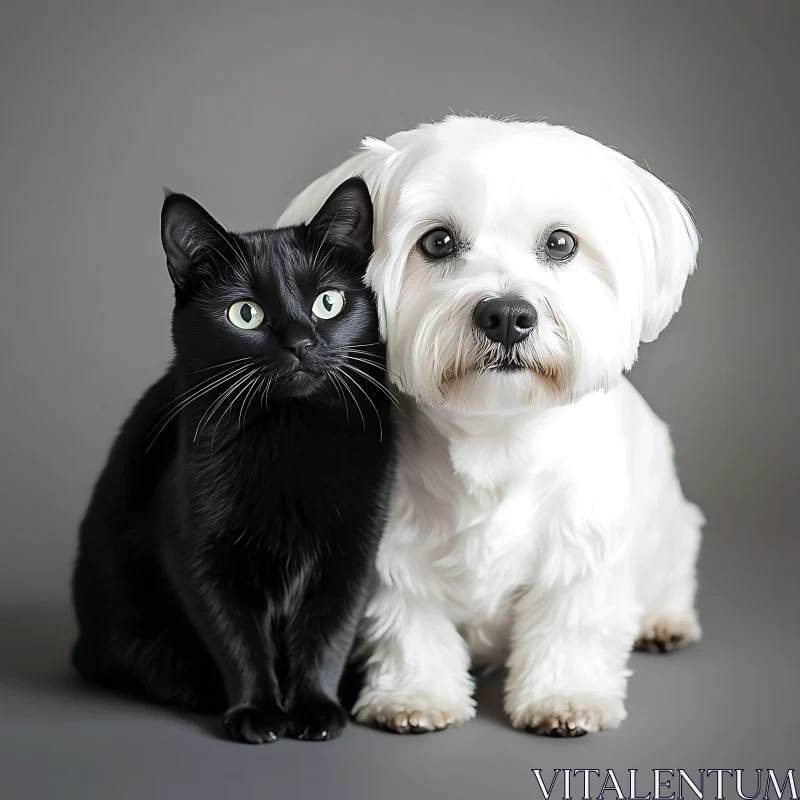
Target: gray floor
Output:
[(241, 104), (730, 702)]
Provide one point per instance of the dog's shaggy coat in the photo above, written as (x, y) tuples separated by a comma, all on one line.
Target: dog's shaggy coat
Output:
[(536, 517)]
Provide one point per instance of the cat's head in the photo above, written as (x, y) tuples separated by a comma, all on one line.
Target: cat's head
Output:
[(276, 311)]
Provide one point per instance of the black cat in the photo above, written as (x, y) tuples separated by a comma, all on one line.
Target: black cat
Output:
[(226, 553)]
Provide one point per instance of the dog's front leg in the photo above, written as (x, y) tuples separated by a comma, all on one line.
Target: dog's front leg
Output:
[(417, 673), (569, 650)]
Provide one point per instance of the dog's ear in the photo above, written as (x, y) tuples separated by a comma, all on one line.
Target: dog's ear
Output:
[(368, 163), (669, 244)]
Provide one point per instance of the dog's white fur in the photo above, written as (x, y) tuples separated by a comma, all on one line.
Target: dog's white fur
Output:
[(536, 515)]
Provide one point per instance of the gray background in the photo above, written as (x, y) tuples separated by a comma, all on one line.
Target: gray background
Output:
[(241, 104)]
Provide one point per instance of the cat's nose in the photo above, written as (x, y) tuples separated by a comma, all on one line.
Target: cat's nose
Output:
[(297, 340)]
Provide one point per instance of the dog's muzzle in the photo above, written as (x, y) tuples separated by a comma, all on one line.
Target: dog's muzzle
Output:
[(505, 320)]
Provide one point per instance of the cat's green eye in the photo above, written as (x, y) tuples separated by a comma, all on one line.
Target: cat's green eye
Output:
[(328, 304), (246, 314)]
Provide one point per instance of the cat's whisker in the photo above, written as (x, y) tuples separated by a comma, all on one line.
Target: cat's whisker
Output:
[(361, 371), (335, 380), (338, 390), (162, 424), (355, 347), (248, 398), (265, 392), (229, 409), (204, 419), (223, 364), (375, 358), (360, 351), (218, 402), (371, 364), (240, 537), (247, 391), (380, 386), (347, 349), (374, 407), (199, 385), (256, 391), (197, 393), (355, 400), (243, 393), (379, 362), (263, 387)]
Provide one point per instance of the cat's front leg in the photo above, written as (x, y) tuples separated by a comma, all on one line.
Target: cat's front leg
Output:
[(319, 638), (233, 625), (567, 672)]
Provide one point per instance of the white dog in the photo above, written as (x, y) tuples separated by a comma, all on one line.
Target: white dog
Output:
[(536, 516)]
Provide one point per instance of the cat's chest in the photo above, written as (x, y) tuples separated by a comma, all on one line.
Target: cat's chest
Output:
[(284, 483)]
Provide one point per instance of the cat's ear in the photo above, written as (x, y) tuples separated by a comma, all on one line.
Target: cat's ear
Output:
[(191, 238), (345, 219)]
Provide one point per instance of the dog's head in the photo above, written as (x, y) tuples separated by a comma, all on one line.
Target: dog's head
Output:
[(516, 263)]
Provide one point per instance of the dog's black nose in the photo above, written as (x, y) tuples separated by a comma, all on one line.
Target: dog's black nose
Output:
[(506, 320)]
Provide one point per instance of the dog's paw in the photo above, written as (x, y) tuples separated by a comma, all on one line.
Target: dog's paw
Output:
[(254, 724), (564, 716), (317, 720), (662, 633), (411, 714)]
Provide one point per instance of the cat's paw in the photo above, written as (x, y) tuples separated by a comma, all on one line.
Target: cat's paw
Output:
[(417, 714), (255, 724), (668, 631), (564, 716), (317, 720)]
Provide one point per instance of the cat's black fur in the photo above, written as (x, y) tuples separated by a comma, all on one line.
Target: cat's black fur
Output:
[(226, 553)]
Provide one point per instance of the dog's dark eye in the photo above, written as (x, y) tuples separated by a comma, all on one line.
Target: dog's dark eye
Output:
[(437, 243), (560, 245)]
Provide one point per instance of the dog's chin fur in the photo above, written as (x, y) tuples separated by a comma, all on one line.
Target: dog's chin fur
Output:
[(536, 514), (494, 390)]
